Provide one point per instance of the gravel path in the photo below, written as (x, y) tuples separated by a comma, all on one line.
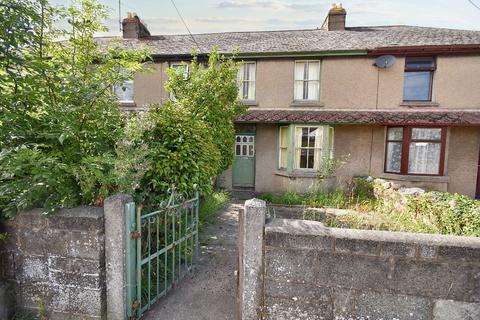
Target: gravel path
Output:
[(209, 293)]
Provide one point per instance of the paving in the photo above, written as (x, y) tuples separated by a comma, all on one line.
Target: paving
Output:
[(208, 293)]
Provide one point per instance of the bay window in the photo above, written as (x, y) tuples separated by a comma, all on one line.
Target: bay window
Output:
[(310, 145), (415, 151), (307, 80), (246, 81)]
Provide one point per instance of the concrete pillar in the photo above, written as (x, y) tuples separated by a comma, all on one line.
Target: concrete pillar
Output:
[(250, 264), (6, 301), (115, 255)]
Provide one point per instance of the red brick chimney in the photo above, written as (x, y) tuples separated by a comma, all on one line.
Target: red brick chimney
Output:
[(335, 20), (133, 28)]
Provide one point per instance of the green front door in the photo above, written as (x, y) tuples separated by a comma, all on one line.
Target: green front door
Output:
[(244, 164)]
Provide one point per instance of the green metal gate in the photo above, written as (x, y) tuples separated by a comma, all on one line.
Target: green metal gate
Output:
[(162, 248)]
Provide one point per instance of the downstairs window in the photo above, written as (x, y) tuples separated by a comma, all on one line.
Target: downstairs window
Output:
[(415, 151)]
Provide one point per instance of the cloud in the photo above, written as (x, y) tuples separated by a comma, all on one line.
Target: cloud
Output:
[(273, 4)]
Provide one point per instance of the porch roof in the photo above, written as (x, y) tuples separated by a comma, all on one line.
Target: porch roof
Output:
[(378, 117)]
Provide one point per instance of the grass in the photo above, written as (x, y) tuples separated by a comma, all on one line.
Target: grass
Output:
[(211, 205), (431, 212)]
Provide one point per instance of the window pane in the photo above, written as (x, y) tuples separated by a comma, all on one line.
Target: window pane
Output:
[(313, 70), (283, 158), (283, 137), (312, 137), (303, 158), (304, 137), (237, 150), (251, 91), (244, 150), (251, 71), (298, 90), (395, 134), (417, 86), (426, 134), (419, 62), (300, 70), (313, 91), (244, 139), (424, 158), (239, 139), (311, 159), (250, 150), (394, 156)]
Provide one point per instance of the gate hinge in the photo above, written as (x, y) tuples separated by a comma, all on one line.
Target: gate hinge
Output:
[(135, 235)]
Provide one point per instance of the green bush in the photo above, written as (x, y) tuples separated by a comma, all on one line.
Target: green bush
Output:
[(210, 206), (178, 151)]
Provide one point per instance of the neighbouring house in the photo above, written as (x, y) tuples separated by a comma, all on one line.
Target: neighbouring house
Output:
[(412, 118)]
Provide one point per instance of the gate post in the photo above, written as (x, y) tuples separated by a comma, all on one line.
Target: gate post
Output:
[(250, 260), (116, 242)]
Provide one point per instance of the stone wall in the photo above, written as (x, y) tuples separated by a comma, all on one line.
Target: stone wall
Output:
[(314, 272), (58, 262)]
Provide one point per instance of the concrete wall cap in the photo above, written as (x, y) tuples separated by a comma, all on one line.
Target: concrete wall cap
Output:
[(255, 203)]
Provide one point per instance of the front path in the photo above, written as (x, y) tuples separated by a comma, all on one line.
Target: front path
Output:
[(209, 293)]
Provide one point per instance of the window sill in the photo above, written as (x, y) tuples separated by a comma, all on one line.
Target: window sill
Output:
[(419, 104), (414, 178), (297, 174), (250, 103), (313, 104)]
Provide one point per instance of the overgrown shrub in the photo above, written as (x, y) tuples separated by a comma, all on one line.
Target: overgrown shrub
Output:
[(179, 151), (59, 119)]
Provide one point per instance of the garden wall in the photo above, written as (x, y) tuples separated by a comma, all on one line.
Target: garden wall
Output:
[(57, 262), (312, 272)]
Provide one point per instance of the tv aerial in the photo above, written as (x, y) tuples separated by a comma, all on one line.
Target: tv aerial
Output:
[(384, 62)]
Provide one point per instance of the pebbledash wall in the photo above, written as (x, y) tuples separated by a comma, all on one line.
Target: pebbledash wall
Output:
[(71, 262), (309, 271)]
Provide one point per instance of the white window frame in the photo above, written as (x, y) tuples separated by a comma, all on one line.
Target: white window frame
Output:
[(316, 150), (250, 152), (295, 81), (251, 82), (125, 84), (177, 64)]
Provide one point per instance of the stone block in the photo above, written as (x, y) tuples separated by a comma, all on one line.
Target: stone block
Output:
[(86, 301), (289, 289), (343, 302), (73, 279), (398, 249), (317, 308), (85, 245), (82, 218), (427, 251), (72, 265), (382, 305), (32, 269), (353, 271), (287, 240), (437, 280), (465, 254), (290, 264), (42, 242), (455, 310), (357, 246)]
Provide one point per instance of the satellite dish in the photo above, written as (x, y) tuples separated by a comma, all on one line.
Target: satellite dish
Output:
[(384, 62)]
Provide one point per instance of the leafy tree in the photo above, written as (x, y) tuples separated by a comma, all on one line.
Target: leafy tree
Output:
[(210, 93), (59, 120)]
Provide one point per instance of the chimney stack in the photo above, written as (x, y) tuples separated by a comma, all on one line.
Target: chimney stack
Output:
[(335, 20), (133, 28)]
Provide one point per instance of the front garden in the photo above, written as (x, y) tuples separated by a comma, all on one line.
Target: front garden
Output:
[(375, 204)]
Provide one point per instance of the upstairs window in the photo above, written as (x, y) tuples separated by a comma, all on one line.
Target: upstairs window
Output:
[(124, 91), (415, 151), (246, 81), (418, 78), (180, 68), (307, 80)]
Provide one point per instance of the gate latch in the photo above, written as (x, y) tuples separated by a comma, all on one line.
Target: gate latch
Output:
[(135, 305), (135, 235)]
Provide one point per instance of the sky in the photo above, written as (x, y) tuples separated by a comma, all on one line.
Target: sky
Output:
[(249, 15)]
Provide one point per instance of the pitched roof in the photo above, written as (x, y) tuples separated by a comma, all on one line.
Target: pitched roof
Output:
[(379, 117), (314, 40)]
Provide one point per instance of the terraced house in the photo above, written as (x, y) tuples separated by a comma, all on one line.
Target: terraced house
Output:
[(397, 102)]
